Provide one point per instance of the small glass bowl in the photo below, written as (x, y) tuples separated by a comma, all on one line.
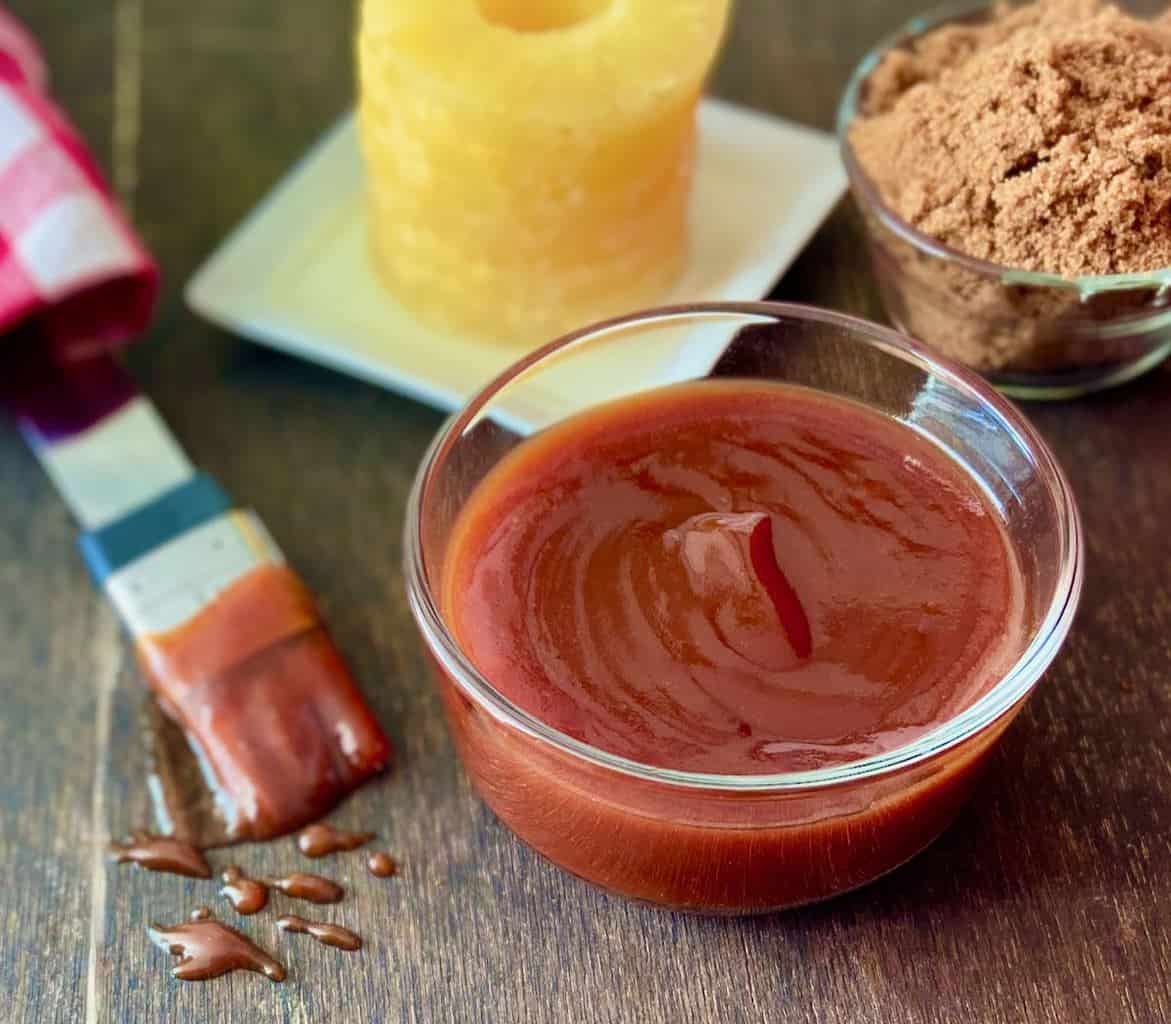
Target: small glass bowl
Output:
[(1037, 336), (738, 844)]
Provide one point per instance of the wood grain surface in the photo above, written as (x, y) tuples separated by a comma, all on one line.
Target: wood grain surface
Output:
[(1049, 901)]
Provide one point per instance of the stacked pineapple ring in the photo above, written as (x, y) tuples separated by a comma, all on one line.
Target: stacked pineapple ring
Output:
[(530, 160)]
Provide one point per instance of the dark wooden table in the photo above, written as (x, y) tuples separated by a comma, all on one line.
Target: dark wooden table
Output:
[(1049, 901)]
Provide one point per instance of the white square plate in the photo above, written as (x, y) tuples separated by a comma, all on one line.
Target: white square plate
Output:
[(295, 273)]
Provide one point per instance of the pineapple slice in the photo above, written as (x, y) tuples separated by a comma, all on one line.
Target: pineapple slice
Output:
[(530, 161)]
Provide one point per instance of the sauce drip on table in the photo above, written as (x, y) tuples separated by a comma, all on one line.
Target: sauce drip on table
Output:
[(381, 865), (325, 933), (304, 886), (734, 577), (321, 839), (161, 853), (207, 948), (247, 895)]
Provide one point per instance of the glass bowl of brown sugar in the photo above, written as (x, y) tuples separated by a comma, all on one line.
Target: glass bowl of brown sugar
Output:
[(1013, 168)]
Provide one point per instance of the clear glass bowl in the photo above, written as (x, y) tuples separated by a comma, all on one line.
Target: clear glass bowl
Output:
[(738, 844), (1036, 335)]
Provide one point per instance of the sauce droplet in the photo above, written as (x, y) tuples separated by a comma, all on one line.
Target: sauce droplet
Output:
[(327, 934), (161, 853), (201, 913), (381, 865), (321, 839), (206, 949), (314, 888), (247, 895)]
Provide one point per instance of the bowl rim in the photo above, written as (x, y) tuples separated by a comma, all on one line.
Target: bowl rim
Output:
[(1001, 698), (869, 197)]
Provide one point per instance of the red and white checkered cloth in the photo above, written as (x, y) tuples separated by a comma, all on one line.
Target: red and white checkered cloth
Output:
[(67, 255)]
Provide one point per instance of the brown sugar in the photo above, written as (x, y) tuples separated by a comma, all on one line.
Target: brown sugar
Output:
[(1040, 141)]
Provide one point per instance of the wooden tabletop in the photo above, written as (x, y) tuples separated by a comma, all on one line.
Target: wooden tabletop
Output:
[(1048, 901)]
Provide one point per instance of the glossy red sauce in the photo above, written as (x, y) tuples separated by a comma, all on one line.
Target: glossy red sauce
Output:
[(735, 578)]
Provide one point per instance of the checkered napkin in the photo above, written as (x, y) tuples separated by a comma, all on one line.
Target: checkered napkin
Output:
[(67, 256)]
